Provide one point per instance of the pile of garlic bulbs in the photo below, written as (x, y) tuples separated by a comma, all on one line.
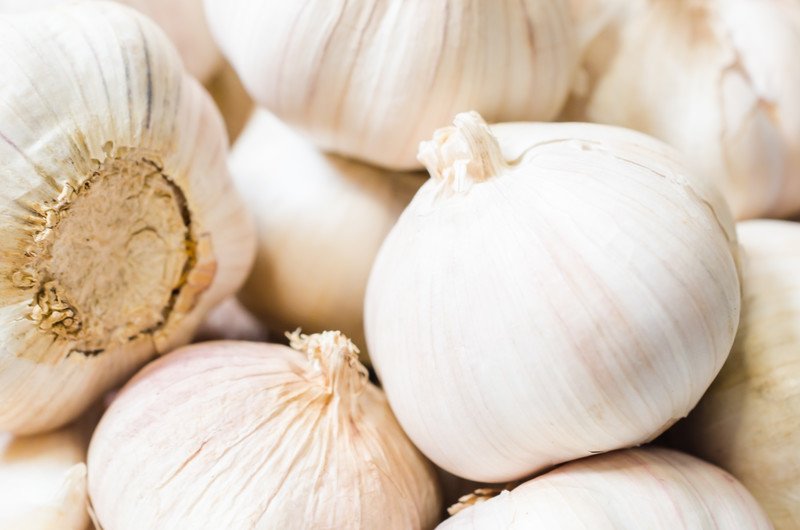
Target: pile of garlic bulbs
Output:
[(399, 264)]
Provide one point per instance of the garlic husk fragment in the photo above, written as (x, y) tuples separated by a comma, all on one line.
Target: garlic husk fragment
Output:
[(718, 80), (651, 488), (183, 21), (119, 224), (370, 80), (43, 479), (749, 420), (551, 292), (245, 435), (320, 221)]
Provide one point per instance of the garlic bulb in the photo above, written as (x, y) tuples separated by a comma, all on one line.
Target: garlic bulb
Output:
[(43, 481), (718, 79), (749, 421), (245, 435), (321, 220), (557, 291), (652, 488), (119, 225), (183, 21), (370, 80)]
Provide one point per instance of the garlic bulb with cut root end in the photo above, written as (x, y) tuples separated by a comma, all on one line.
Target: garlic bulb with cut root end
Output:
[(183, 21), (717, 79), (43, 479), (651, 488), (320, 220), (370, 80), (119, 224), (749, 420), (245, 435), (552, 292)]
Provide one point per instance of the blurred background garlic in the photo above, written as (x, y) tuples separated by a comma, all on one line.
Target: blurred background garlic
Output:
[(651, 488), (246, 435), (717, 79), (556, 291), (320, 221), (119, 224), (230, 321), (749, 421), (370, 80), (183, 21), (43, 478)]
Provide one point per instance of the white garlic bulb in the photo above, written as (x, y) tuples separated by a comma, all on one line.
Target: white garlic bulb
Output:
[(43, 481), (246, 435), (557, 291), (749, 421), (653, 488), (320, 220), (183, 21), (370, 80), (119, 224), (230, 321), (717, 79)]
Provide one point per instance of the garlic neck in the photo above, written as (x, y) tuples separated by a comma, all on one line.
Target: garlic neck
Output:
[(335, 357), (464, 154)]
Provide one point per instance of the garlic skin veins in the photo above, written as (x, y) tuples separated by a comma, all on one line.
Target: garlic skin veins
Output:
[(554, 290), (183, 21), (287, 438), (749, 420), (43, 481), (119, 224), (320, 221), (718, 80), (370, 80), (653, 488)]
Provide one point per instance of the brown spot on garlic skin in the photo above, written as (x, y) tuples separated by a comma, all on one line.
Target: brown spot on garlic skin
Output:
[(113, 257)]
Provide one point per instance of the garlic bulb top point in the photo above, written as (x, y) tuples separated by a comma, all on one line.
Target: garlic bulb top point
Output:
[(463, 154), (336, 358)]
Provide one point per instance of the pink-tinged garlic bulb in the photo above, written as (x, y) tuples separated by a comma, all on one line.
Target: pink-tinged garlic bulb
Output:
[(370, 80), (245, 435), (749, 420), (119, 225), (651, 488), (554, 290), (320, 221), (183, 21), (717, 79)]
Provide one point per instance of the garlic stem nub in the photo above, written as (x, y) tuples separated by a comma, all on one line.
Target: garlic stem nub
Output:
[(463, 154), (336, 358)]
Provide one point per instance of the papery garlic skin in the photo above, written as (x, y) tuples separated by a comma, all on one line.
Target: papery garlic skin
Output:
[(370, 80), (566, 291), (717, 79), (257, 436), (651, 488), (320, 221), (183, 21), (119, 224), (749, 420), (43, 481)]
